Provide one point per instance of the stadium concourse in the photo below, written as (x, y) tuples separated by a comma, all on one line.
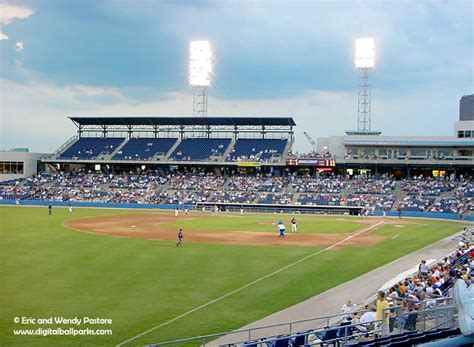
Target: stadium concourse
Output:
[(374, 194)]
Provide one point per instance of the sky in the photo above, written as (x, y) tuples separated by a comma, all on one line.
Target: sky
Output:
[(281, 58)]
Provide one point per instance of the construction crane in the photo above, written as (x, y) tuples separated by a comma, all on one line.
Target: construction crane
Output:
[(310, 139)]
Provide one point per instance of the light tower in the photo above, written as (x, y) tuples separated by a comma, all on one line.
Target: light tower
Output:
[(200, 70), (364, 61)]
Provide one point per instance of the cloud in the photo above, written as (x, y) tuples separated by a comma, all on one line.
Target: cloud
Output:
[(19, 46), (8, 13)]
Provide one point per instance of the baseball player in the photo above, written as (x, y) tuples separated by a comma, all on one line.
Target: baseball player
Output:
[(50, 209), (186, 210), (294, 226), (281, 228), (180, 238), (69, 207), (176, 211)]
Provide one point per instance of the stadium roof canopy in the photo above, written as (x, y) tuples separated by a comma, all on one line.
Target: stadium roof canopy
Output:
[(184, 121)]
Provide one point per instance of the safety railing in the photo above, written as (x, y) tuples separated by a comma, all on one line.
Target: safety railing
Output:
[(242, 335), (320, 330)]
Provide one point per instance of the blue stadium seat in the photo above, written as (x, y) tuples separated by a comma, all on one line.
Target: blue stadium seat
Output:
[(300, 339), (200, 149), (144, 148), (91, 147), (257, 149)]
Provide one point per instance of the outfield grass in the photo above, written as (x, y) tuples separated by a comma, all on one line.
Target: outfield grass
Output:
[(48, 270)]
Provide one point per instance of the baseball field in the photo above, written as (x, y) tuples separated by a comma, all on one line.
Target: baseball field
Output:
[(120, 270)]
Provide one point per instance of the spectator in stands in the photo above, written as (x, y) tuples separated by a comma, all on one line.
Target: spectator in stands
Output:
[(393, 294), (382, 313), (423, 268), (369, 316), (348, 307)]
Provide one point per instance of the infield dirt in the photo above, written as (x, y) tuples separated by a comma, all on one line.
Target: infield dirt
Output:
[(150, 226)]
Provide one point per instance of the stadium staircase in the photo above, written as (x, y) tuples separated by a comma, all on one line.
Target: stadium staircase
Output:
[(227, 151), (296, 197), (167, 155), (225, 186), (345, 193), (399, 195), (287, 149), (52, 168), (64, 147), (448, 194), (288, 189), (119, 147)]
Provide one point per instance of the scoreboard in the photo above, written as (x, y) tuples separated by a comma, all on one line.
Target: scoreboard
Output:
[(310, 162)]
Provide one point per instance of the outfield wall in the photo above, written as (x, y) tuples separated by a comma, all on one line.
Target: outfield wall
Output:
[(423, 214), (450, 216)]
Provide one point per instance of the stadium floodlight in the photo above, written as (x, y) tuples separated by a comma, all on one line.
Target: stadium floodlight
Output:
[(364, 62), (365, 53), (200, 63), (200, 71)]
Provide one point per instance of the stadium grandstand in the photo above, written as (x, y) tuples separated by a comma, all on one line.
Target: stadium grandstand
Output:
[(229, 162), (167, 140)]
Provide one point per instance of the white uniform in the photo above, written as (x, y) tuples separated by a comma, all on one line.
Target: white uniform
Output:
[(294, 227)]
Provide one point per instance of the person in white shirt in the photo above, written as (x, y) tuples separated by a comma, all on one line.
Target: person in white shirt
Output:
[(423, 268), (366, 319), (369, 316), (347, 308), (393, 294)]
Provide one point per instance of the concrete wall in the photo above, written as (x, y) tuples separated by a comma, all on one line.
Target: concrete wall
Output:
[(464, 125), (29, 160), (451, 216)]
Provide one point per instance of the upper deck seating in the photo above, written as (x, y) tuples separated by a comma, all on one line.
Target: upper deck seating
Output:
[(91, 147), (145, 148), (260, 150), (200, 149)]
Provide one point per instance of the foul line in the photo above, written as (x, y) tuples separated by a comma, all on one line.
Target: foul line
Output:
[(248, 285)]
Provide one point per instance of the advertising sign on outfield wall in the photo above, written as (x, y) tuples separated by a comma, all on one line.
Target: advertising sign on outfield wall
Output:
[(249, 164)]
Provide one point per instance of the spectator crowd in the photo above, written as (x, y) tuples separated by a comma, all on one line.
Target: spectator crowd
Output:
[(437, 195)]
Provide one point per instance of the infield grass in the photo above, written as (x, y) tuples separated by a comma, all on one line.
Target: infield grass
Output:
[(49, 270), (268, 223)]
